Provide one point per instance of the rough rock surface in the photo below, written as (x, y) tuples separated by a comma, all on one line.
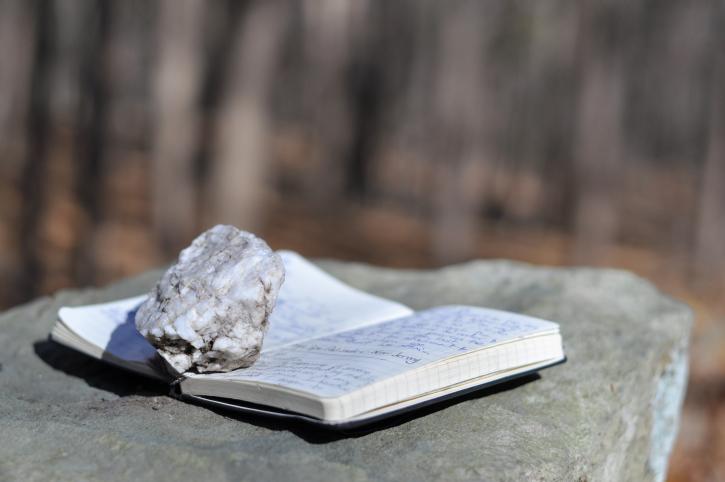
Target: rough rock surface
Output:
[(609, 413), (209, 312)]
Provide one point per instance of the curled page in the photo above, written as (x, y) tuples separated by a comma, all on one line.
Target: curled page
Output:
[(311, 303)]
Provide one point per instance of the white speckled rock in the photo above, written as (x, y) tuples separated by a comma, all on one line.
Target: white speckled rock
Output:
[(209, 311)]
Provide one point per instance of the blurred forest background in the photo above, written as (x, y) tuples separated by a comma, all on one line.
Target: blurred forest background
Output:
[(404, 133)]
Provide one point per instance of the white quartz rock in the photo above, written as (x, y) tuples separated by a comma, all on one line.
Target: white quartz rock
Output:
[(210, 311)]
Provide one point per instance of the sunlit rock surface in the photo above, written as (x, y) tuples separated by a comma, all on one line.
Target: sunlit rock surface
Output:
[(609, 413), (210, 311)]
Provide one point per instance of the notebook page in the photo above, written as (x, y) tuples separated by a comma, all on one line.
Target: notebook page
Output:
[(311, 303), (111, 326), (338, 364)]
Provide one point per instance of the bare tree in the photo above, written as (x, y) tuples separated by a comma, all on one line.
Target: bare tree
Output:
[(598, 151), (16, 39), (710, 234), (240, 147), (177, 83), (330, 29), (463, 116)]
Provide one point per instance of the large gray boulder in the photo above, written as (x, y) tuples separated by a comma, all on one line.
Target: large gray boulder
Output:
[(610, 413)]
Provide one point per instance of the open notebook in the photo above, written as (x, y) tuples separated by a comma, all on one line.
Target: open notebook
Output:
[(333, 354)]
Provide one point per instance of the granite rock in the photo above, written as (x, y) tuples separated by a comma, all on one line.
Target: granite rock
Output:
[(209, 312), (609, 413)]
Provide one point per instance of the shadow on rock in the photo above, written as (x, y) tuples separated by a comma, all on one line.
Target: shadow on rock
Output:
[(316, 434), (95, 372), (125, 343)]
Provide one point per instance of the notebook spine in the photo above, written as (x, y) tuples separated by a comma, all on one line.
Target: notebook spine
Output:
[(175, 387)]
